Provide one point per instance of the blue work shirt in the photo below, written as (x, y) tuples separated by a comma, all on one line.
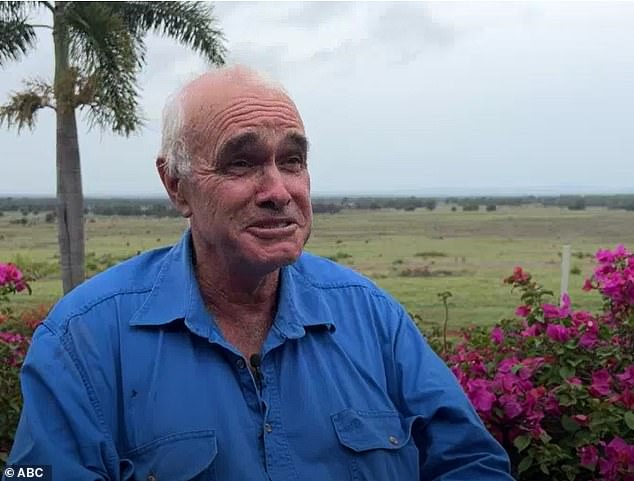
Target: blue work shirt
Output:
[(129, 378)]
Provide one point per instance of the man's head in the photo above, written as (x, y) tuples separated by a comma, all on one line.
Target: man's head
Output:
[(234, 161)]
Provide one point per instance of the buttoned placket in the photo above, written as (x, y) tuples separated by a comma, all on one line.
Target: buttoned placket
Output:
[(277, 457), (265, 407)]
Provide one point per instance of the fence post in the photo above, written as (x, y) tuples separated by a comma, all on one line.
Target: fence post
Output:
[(565, 271)]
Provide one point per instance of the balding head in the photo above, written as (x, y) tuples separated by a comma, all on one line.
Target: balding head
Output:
[(193, 116)]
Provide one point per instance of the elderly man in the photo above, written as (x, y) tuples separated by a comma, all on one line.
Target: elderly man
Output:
[(234, 356)]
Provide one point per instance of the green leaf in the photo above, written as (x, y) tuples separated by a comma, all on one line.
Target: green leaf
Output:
[(571, 472), (566, 371), (566, 400), (522, 442), (107, 49), (568, 424), (17, 38), (526, 463), (629, 420)]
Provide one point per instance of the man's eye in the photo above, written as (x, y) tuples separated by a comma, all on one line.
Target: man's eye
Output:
[(239, 164), (294, 161)]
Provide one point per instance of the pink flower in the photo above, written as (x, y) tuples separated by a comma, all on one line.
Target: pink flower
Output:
[(551, 405), (621, 251), (11, 337), (523, 311), (581, 419), (532, 331), (619, 455), (557, 312), (627, 376), (588, 285), (627, 399), (479, 394), (586, 320), (550, 311), (604, 256), (600, 383), (588, 455), (497, 335), (12, 276), (588, 340), (512, 408), (564, 308), (518, 277), (557, 332)]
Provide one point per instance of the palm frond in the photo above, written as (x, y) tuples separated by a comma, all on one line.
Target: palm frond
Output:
[(102, 49), (13, 10), (190, 23), (16, 38), (21, 109)]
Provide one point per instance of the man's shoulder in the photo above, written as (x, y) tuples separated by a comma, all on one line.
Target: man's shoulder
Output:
[(354, 302), (132, 277), (324, 273)]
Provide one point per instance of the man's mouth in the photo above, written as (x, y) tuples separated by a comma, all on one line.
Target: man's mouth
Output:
[(274, 223), (273, 228)]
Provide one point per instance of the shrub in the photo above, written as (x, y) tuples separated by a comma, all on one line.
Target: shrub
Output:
[(430, 254), (555, 386), (339, 256), (95, 264), (13, 348)]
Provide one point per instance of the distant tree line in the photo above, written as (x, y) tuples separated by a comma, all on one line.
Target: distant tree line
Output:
[(157, 207), (102, 206), (571, 202)]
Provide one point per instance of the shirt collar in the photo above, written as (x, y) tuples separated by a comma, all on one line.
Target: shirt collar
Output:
[(175, 295)]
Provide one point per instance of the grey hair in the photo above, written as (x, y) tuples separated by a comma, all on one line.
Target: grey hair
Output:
[(174, 150)]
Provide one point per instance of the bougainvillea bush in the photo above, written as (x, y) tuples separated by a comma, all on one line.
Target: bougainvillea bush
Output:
[(555, 385), (13, 346)]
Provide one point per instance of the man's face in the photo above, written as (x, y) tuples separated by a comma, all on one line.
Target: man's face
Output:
[(248, 193)]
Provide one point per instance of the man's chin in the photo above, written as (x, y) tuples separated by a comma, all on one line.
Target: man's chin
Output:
[(273, 260)]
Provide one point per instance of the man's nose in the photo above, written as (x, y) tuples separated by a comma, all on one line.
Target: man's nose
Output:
[(272, 192)]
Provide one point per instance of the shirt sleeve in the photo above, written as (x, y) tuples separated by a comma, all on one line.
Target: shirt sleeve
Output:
[(453, 443), (60, 423)]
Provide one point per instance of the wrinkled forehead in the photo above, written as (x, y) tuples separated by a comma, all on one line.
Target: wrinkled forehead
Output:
[(217, 110)]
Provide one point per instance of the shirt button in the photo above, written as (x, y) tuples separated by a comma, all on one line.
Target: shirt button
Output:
[(240, 363), (393, 440), (151, 477), (268, 428)]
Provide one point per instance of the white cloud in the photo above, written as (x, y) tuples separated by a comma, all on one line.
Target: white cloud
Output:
[(396, 96)]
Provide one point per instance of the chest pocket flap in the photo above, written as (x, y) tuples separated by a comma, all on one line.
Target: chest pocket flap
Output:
[(178, 457), (366, 430)]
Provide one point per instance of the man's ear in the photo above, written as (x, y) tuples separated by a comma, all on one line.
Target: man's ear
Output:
[(174, 187)]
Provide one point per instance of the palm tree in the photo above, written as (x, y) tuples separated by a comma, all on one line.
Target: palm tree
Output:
[(99, 49)]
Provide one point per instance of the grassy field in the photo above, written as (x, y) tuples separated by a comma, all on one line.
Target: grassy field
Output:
[(413, 255)]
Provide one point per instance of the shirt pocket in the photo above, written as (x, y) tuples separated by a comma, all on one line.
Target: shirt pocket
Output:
[(378, 444), (186, 456)]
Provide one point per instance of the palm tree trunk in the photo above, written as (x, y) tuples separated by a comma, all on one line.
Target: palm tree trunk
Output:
[(70, 200)]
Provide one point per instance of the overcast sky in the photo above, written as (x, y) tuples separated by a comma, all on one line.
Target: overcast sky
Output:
[(410, 98)]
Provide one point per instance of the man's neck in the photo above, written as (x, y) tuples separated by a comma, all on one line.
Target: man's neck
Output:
[(226, 293), (243, 304)]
